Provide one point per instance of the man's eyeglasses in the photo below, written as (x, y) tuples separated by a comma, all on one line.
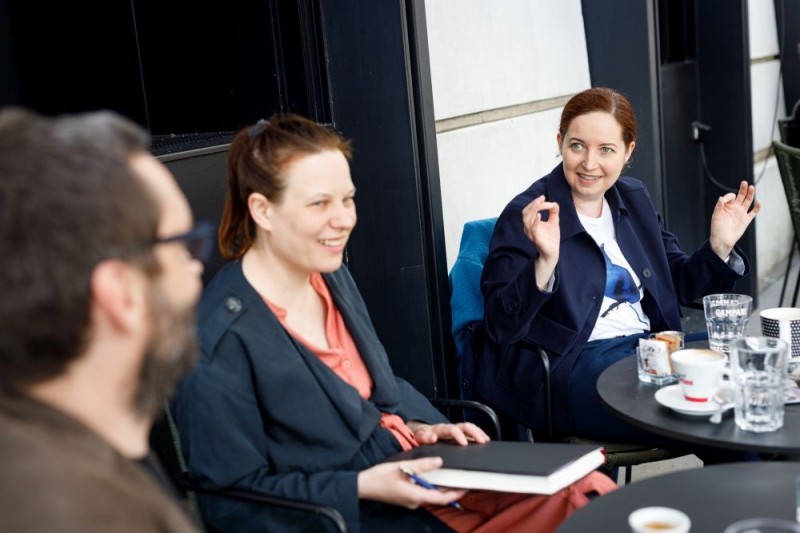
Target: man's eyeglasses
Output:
[(199, 241)]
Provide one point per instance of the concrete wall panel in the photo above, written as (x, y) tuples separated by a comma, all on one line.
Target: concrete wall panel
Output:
[(761, 24), (490, 54), (766, 102), (483, 167)]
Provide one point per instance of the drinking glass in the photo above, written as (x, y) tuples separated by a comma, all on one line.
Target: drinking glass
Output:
[(726, 318), (763, 525), (757, 372)]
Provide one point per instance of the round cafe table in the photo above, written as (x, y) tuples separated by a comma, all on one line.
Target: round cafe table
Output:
[(713, 497), (624, 395)]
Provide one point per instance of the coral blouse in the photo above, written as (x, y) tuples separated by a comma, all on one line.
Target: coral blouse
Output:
[(343, 358), (484, 511)]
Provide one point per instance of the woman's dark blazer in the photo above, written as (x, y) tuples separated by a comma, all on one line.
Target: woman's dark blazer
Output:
[(516, 311), (261, 413)]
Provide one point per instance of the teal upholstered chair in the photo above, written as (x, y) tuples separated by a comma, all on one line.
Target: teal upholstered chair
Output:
[(467, 319)]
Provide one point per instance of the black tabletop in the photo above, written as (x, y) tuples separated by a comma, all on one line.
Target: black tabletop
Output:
[(634, 401), (713, 497)]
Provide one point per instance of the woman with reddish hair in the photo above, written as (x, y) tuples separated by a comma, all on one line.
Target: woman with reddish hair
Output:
[(581, 265), (293, 394)]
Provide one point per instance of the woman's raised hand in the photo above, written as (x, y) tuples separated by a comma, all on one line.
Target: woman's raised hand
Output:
[(545, 234), (730, 219)]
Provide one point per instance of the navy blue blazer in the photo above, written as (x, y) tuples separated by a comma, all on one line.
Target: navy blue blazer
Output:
[(260, 412), (561, 321)]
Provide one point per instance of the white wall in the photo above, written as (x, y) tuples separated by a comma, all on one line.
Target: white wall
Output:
[(488, 54), (484, 167), (766, 102), (517, 55), (773, 226), (762, 28)]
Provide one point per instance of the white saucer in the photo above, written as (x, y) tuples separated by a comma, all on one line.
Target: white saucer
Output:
[(672, 397)]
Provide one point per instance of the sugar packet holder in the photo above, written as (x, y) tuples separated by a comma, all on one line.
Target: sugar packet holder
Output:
[(654, 357)]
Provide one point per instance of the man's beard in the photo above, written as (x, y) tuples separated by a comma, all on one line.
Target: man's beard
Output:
[(170, 353)]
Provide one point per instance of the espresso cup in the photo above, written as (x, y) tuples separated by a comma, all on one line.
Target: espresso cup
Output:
[(658, 520), (699, 372)]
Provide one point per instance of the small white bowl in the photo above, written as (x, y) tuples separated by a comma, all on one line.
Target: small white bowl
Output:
[(659, 520)]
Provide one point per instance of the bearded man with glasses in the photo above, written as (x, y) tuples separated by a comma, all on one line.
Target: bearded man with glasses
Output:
[(100, 268)]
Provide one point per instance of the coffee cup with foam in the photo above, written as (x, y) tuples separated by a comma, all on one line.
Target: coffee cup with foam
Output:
[(699, 372)]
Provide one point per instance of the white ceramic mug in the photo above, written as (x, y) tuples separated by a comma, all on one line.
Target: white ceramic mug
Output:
[(783, 323), (699, 372)]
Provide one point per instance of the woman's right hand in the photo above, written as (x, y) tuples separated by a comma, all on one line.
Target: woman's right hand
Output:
[(385, 482), (546, 235)]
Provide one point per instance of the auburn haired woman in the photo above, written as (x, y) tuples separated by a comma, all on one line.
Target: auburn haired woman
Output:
[(293, 394)]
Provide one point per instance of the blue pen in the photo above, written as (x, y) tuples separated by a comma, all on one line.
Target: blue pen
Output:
[(422, 483)]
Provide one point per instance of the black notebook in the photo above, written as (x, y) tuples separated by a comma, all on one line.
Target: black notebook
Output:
[(521, 467)]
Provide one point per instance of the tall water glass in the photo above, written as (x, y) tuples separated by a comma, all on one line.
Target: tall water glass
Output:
[(726, 319), (758, 369)]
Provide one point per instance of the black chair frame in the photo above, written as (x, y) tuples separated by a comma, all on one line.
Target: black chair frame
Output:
[(171, 457), (324, 512), (784, 152), (618, 455), (165, 441), (447, 404)]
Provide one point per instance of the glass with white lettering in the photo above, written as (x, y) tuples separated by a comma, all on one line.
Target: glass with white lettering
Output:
[(727, 316)]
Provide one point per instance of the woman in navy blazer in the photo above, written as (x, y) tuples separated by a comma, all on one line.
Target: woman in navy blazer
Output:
[(293, 394), (556, 275)]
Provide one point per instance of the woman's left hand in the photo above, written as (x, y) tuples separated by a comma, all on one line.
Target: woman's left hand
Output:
[(730, 219), (462, 433)]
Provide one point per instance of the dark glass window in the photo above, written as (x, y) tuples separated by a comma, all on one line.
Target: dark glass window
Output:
[(192, 73), (676, 31)]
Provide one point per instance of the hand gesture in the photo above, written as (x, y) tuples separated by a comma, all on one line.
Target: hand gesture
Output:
[(385, 482), (730, 219), (545, 235), (462, 433)]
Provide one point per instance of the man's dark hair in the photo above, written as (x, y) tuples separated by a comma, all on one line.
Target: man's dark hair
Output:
[(68, 200)]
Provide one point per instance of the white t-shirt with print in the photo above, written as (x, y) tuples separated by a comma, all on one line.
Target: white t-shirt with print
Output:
[(621, 312)]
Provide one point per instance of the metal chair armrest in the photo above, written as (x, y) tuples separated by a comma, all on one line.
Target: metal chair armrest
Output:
[(323, 511), (471, 404), (548, 398)]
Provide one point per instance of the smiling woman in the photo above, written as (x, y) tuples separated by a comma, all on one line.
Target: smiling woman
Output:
[(594, 152), (307, 230), (293, 394), (581, 265)]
